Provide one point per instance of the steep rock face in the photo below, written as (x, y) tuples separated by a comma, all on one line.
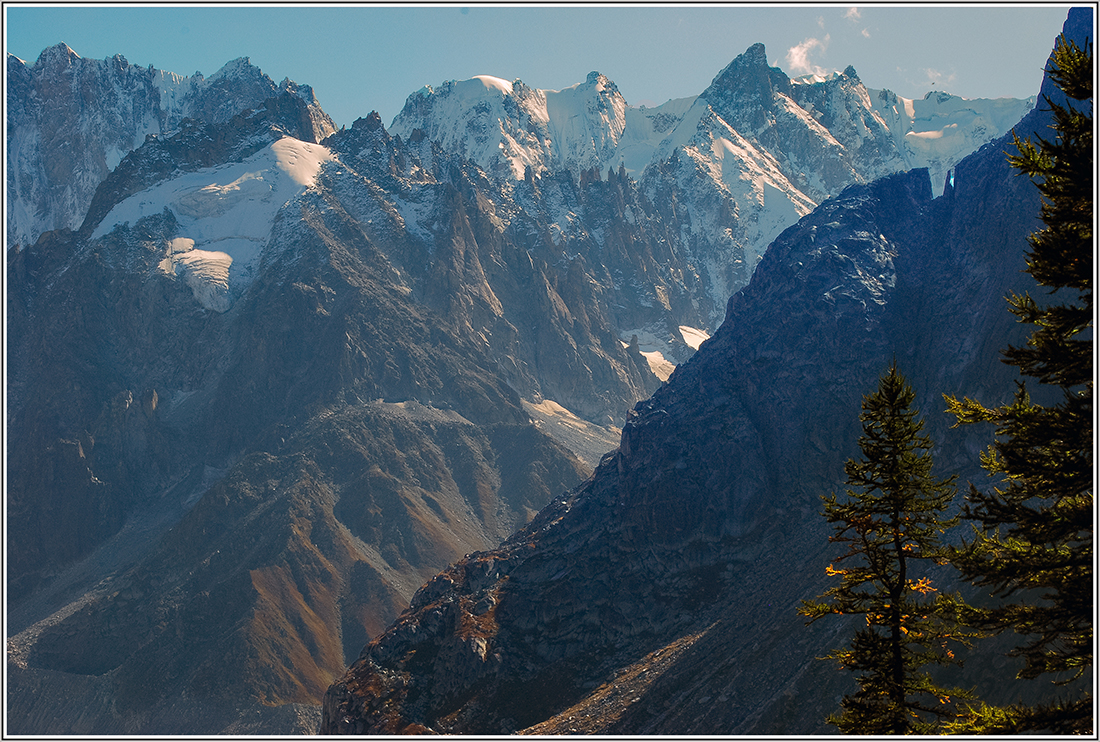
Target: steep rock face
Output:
[(72, 120), (843, 106), (318, 446), (547, 273), (677, 568), (727, 197), (730, 168), (756, 101)]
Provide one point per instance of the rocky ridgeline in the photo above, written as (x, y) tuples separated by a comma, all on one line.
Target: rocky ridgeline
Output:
[(728, 169), (699, 535), (70, 121), (545, 272)]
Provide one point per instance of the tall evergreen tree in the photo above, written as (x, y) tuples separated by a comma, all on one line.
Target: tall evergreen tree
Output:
[(891, 524), (1032, 543)]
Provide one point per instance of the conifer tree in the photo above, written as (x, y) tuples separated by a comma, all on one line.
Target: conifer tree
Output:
[(891, 524), (1032, 542)]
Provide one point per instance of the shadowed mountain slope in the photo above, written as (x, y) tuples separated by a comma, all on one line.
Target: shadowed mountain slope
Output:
[(660, 596), (232, 500)]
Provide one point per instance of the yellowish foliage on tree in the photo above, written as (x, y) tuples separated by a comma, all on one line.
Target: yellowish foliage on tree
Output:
[(922, 586)]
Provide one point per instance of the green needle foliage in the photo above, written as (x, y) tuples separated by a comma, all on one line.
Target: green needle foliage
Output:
[(1032, 543), (891, 525)]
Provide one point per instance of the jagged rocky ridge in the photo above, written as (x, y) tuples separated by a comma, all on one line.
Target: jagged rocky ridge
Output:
[(323, 423), (70, 121), (234, 501), (394, 300), (660, 596), (731, 167)]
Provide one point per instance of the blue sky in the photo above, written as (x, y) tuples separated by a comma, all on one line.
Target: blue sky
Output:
[(364, 58)]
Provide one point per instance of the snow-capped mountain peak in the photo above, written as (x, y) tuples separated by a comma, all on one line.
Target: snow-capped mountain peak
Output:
[(57, 55), (472, 116), (509, 127), (756, 150), (586, 122), (241, 67), (746, 89)]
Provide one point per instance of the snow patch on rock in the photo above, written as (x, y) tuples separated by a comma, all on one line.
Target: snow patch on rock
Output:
[(664, 350), (207, 273), (694, 337), (225, 215)]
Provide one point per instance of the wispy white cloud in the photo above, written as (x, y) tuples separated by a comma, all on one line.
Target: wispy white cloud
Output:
[(798, 57), (821, 21), (866, 33), (852, 14)]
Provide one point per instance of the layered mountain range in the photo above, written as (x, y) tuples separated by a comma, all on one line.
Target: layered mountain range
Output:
[(267, 379), (734, 165), (661, 595)]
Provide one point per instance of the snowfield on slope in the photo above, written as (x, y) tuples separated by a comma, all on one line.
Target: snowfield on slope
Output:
[(659, 348), (225, 215)]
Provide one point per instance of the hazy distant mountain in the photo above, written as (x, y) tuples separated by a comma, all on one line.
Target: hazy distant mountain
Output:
[(72, 120), (742, 161)]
